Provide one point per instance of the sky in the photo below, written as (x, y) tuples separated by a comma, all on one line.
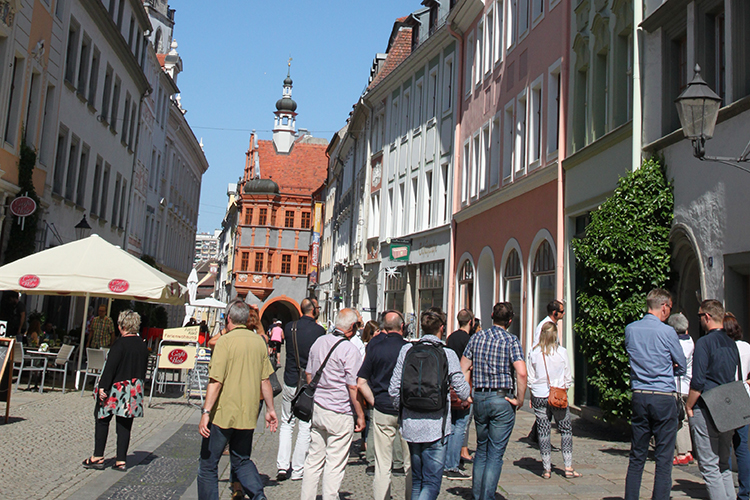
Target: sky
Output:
[(235, 55)]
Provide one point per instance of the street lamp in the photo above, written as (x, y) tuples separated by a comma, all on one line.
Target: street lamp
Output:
[(82, 229), (698, 109)]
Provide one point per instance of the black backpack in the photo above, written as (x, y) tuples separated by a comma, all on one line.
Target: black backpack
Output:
[(425, 379)]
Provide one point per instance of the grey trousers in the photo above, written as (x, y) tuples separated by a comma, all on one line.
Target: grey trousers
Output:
[(712, 449)]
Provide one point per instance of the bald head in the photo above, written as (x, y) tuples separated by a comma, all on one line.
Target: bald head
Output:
[(392, 321), (307, 307)]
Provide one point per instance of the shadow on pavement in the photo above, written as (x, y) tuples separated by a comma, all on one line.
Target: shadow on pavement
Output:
[(598, 430), (616, 451), (11, 420), (460, 492), (694, 489), (530, 464)]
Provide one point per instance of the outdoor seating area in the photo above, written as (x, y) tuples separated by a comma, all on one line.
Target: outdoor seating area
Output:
[(37, 365)]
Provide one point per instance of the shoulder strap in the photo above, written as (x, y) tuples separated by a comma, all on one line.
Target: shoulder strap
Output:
[(316, 379), (544, 358), (296, 349)]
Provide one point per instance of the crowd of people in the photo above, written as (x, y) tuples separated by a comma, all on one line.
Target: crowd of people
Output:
[(413, 401)]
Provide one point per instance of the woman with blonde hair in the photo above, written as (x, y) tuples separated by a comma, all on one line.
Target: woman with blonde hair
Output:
[(120, 391), (548, 367)]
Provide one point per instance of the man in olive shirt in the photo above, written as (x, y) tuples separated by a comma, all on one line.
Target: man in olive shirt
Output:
[(238, 373)]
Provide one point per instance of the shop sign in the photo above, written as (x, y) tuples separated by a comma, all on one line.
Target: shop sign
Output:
[(22, 206), (400, 249), (184, 334), (177, 357)]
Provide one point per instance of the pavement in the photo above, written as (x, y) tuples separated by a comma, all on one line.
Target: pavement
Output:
[(51, 433)]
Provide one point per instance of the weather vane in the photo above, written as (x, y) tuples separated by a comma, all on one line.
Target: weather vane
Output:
[(288, 72)]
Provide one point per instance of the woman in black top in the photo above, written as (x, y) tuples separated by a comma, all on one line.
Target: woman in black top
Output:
[(120, 391)]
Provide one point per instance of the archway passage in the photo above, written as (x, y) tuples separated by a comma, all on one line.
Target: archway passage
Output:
[(286, 310), (687, 291)]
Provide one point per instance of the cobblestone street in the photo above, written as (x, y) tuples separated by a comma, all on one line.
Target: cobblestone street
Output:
[(51, 433)]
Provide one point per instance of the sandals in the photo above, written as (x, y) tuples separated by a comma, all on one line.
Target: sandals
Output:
[(572, 474), (547, 474), (90, 464), (120, 467)]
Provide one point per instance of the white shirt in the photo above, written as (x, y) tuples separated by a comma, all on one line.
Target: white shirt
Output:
[(357, 341), (559, 371), (744, 349), (688, 347), (538, 330)]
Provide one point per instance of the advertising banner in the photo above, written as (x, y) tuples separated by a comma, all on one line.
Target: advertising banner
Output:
[(315, 245), (179, 357), (185, 334)]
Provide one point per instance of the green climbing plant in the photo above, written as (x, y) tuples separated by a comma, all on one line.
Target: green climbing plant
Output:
[(22, 238), (624, 254)]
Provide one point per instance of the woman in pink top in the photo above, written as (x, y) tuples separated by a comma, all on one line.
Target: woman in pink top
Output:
[(277, 338)]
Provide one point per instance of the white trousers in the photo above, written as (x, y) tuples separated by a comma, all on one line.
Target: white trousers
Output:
[(330, 438), (286, 428)]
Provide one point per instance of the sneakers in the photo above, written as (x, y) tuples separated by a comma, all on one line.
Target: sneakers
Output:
[(456, 475), (686, 460), (297, 476), (370, 470), (281, 475), (398, 471)]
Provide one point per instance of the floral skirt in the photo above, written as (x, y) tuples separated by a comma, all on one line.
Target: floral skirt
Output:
[(125, 400)]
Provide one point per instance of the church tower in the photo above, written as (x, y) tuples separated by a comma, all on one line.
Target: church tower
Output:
[(285, 119)]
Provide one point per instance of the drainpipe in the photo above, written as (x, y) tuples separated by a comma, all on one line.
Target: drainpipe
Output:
[(562, 151), (132, 170), (458, 103), (366, 214), (637, 107)]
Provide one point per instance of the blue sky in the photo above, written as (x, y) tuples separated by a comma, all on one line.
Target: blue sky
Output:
[(234, 61)]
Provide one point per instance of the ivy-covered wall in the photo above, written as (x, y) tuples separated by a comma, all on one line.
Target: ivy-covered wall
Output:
[(624, 254)]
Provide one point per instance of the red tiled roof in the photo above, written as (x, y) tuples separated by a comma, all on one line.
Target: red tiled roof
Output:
[(400, 50), (161, 58), (299, 172)]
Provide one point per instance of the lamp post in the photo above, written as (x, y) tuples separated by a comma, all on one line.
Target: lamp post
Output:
[(82, 229), (698, 109)]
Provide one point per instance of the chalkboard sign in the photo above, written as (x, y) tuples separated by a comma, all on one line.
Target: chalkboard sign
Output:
[(200, 372), (6, 369)]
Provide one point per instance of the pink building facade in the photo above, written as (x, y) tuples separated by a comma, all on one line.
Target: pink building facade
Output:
[(510, 140)]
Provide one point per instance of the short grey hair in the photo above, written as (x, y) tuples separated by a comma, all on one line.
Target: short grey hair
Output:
[(129, 320), (679, 322), (345, 319), (238, 311)]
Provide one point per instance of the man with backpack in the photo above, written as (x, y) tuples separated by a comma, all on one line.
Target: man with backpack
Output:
[(420, 388)]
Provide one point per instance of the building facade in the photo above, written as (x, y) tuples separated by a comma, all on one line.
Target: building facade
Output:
[(508, 202), (273, 234)]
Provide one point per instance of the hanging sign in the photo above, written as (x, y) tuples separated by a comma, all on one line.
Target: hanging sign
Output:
[(400, 249), (22, 207)]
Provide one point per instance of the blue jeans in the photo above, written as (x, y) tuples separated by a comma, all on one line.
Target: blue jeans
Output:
[(739, 441), (240, 446), (653, 414), (459, 426), (427, 461), (494, 417)]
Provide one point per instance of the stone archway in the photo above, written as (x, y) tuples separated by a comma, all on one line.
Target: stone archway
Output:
[(283, 308), (687, 289)]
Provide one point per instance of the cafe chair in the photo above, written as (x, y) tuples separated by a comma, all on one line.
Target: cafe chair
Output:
[(61, 364), (94, 366), (25, 363)]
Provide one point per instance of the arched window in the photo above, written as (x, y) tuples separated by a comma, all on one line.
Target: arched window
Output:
[(512, 287), (466, 286), (157, 41), (543, 280)]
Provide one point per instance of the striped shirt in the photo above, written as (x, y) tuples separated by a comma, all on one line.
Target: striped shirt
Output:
[(493, 352)]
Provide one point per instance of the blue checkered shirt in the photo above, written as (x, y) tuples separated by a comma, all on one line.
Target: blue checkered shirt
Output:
[(492, 353)]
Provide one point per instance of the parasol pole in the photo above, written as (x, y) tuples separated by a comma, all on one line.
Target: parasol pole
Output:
[(83, 338)]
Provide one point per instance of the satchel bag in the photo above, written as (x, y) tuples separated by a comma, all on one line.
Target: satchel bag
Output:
[(728, 404), (304, 400), (558, 397), (275, 385)]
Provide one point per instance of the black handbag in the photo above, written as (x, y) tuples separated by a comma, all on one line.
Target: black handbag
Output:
[(304, 400), (275, 385)]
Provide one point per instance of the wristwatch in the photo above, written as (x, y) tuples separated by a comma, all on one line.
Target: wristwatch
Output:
[(205, 411)]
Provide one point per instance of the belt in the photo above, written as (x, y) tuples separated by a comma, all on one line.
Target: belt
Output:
[(500, 392), (660, 393)]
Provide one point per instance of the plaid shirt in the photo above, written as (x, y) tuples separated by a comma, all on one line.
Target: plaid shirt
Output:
[(493, 352), (101, 332)]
